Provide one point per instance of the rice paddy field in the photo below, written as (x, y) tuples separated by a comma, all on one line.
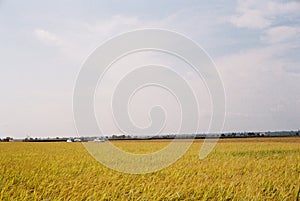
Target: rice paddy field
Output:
[(237, 169)]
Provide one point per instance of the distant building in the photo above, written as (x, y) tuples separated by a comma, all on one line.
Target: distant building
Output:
[(99, 140)]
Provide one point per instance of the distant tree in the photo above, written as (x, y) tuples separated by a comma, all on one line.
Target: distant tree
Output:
[(251, 134), (7, 139)]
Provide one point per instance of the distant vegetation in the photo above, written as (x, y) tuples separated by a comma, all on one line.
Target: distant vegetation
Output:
[(7, 139), (162, 136)]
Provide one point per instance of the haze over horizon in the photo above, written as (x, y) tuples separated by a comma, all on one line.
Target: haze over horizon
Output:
[(254, 44)]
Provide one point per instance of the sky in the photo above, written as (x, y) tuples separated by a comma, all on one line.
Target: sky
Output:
[(43, 44)]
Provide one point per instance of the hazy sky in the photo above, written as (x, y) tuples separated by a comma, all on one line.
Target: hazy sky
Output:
[(255, 45)]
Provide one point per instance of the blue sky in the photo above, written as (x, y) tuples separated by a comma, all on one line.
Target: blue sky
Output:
[(255, 45)]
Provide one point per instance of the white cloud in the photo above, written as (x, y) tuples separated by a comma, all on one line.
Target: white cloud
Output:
[(250, 19), (293, 68), (249, 75), (76, 39), (47, 38), (281, 34), (253, 78), (283, 8), (261, 14), (258, 85), (113, 25), (279, 107)]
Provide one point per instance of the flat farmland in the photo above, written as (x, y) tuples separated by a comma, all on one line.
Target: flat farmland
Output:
[(237, 169)]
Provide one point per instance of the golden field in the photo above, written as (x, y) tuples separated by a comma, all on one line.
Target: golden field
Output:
[(237, 169)]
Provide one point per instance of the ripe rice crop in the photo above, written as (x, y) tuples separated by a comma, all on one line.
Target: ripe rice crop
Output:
[(237, 169)]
